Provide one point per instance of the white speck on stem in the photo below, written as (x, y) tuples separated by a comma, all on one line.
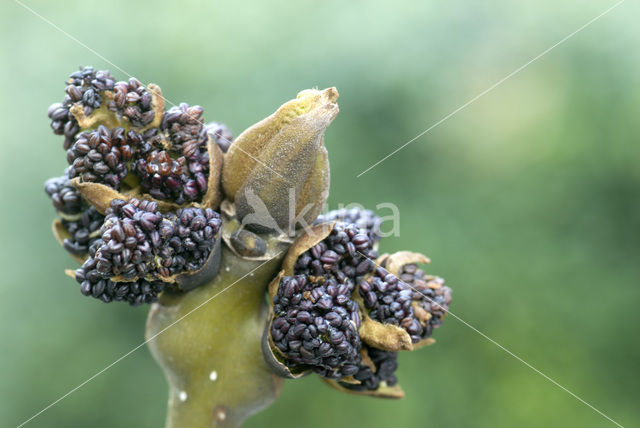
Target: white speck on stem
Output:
[(182, 396), (213, 376), (227, 268)]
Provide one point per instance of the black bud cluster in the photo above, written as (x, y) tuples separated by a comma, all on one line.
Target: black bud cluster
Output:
[(93, 284), (81, 220), (347, 254), (84, 231), (138, 241), (179, 173), (185, 128), (129, 235), (194, 231), (430, 293), (316, 324), (64, 196), (366, 220), (132, 100), (222, 135), (171, 161), (179, 180), (100, 156), (386, 364), (389, 301), (84, 86)]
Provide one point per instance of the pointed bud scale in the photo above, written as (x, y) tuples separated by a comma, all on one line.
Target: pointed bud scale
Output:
[(277, 170)]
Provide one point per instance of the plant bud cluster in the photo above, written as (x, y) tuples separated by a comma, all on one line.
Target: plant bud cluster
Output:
[(100, 156), (132, 101), (385, 363), (138, 241), (389, 302), (86, 87), (347, 254), (316, 325), (429, 292), (170, 161), (81, 221), (364, 219)]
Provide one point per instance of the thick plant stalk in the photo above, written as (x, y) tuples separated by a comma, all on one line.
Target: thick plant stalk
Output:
[(211, 354)]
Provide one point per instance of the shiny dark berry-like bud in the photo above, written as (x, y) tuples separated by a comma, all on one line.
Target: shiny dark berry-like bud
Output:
[(100, 156), (185, 128), (347, 252), (64, 197), (365, 220), (84, 231), (389, 302), (385, 364), (85, 87), (429, 293), (102, 288), (132, 101), (316, 325), (137, 240)]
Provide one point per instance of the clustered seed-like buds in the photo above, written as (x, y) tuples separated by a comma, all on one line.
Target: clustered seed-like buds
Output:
[(429, 292), (194, 231), (138, 241), (389, 301), (93, 284), (179, 180), (185, 128), (221, 134), (132, 100), (315, 320), (363, 219), (316, 325), (84, 231), (64, 196), (347, 253), (85, 87), (386, 364), (180, 173), (160, 174), (170, 157), (100, 156), (81, 221), (129, 234)]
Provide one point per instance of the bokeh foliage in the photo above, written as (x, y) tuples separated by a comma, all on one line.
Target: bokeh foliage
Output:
[(528, 201)]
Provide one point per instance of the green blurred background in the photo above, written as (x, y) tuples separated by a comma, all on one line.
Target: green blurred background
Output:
[(527, 201)]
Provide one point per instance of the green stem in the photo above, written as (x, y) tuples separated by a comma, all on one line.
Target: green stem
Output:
[(212, 357)]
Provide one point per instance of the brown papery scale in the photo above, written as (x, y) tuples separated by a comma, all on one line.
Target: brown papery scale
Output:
[(223, 237)]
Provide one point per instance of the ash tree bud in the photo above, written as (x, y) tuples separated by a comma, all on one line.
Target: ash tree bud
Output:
[(283, 162), (101, 287), (100, 156), (380, 369), (388, 301), (316, 325), (430, 296), (347, 253), (85, 87), (362, 218), (192, 239), (400, 294), (185, 128), (139, 241), (129, 235), (84, 231), (133, 101), (64, 197)]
